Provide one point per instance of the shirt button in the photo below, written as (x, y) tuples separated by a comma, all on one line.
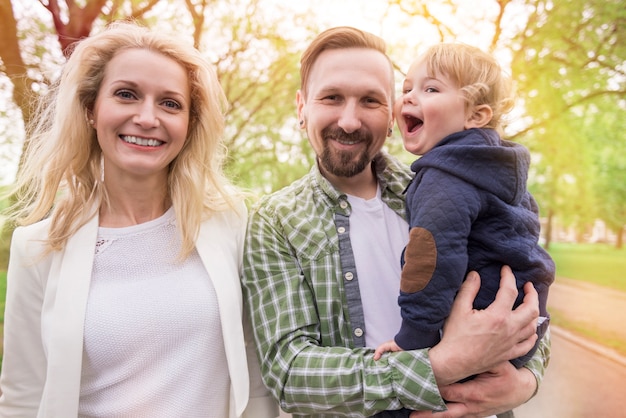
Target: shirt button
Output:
[(343, 204), (358, 332), (341, 229), (349, 276)]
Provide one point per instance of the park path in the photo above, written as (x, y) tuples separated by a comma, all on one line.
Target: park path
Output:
[(579, 383), (602, 308)]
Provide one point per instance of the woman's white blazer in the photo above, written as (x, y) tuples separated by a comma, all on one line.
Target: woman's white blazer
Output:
[(45, 313)]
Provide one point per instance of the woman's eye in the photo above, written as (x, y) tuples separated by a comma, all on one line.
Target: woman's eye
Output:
[(172, 104), (124, 94)]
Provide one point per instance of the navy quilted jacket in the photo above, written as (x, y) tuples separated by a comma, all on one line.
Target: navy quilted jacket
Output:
[(468, 209)]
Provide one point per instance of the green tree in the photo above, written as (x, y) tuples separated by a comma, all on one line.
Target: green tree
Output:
[(257, 65), (607, 131), (569, 67)]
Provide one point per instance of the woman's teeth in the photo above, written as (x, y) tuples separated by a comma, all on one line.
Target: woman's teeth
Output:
[(146, 142)]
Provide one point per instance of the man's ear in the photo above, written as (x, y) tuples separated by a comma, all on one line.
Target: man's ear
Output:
[(392, 122), (479, 116), (299, 108)]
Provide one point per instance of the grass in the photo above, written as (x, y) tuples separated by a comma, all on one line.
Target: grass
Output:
[(599, 264)]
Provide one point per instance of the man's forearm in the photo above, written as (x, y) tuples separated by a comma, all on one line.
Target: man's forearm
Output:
[(342, 381)]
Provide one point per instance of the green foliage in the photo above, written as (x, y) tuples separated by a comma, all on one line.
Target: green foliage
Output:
[(600, 264), (568, 64), (258, 68), (610, 174)]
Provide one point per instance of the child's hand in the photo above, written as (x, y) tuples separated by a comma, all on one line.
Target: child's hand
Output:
[(385, 347)]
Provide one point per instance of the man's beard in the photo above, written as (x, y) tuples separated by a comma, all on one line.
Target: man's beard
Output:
[(345, 163)]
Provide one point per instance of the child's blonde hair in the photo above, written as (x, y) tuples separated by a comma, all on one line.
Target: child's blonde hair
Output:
[(477, 74)]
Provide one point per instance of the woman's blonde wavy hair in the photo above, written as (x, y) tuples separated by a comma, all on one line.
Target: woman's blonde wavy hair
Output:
[(477, 74), (60, 174)]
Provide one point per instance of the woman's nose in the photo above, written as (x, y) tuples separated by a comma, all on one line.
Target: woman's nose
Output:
[(146, 116)]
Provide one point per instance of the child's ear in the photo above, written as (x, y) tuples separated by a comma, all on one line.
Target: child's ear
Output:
[(479, 116)]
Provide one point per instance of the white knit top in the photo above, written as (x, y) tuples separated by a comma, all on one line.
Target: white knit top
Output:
[(153, 343)]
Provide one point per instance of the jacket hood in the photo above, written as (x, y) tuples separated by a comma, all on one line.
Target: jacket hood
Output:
[(481, 158)]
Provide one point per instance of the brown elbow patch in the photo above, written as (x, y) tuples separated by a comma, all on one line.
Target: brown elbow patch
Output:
[(420, 260)]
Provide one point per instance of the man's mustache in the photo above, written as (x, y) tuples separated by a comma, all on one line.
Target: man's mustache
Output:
[(343, 136)]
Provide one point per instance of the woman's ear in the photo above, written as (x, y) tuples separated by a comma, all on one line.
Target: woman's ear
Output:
[(89, 118), (479, 116)]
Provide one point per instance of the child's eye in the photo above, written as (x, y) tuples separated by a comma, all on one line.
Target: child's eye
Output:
[(430, 90)]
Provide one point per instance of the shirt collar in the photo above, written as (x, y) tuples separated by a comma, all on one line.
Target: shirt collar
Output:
[(391, 174)]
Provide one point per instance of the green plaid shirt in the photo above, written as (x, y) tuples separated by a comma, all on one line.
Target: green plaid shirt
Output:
[(302, 293)]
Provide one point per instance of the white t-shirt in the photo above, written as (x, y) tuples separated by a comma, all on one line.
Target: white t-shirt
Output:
[(378, 235)]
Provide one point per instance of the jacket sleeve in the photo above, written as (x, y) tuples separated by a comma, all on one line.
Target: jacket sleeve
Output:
[(261, 404), (442, 208), (24, 361)]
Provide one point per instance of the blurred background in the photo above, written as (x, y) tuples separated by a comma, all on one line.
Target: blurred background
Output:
[(568, 62)]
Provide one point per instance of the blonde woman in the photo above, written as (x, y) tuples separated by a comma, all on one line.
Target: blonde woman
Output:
[(123, 295)]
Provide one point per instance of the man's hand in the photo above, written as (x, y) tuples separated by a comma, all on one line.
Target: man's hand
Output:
[(487, 394), (475, 341)]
